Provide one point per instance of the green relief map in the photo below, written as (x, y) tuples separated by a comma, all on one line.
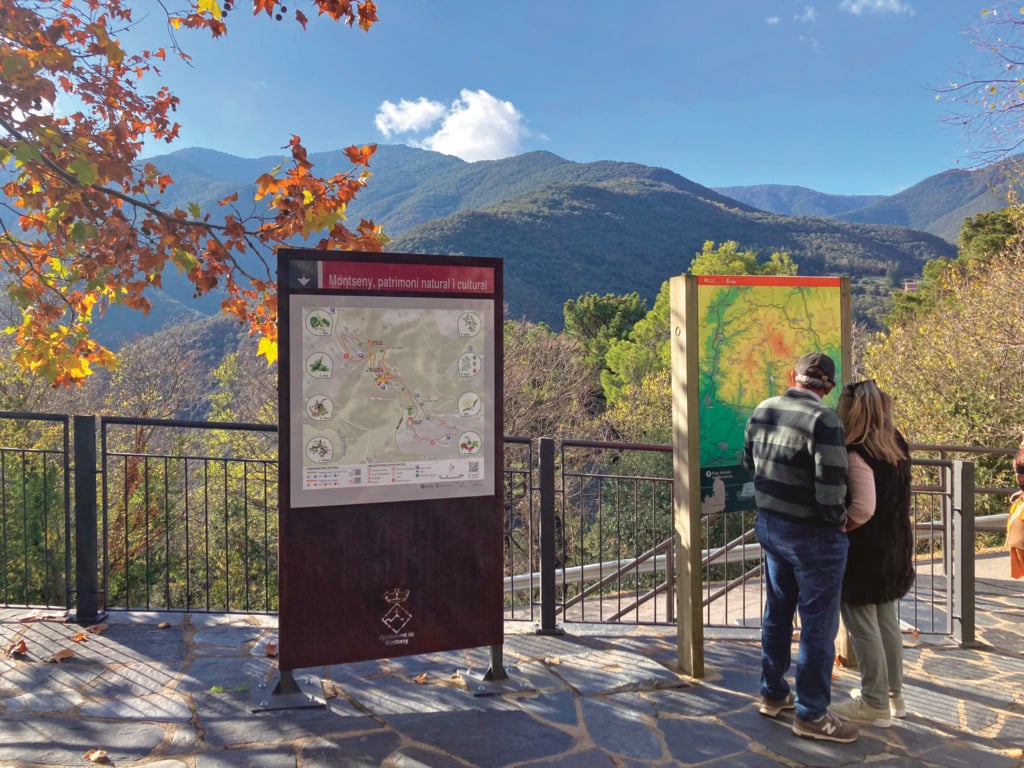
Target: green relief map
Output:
[(751, 332)]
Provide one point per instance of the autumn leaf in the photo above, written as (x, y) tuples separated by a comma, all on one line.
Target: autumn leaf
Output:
[(421, 679), (360, 155), (61, 655), (271, 650), (96, 629), (96, 756), (79, 637), (164, 625), (15, 648)]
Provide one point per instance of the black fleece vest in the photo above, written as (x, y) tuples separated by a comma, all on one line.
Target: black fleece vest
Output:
[(879, 567)]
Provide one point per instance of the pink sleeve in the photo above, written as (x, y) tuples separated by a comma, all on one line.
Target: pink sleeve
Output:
[(862, 490)]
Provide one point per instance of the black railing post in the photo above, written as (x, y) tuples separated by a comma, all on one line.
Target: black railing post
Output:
[(86, 558), (546, 451), (963, 587)]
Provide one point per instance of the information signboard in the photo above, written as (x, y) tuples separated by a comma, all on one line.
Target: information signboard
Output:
[(391, 455)]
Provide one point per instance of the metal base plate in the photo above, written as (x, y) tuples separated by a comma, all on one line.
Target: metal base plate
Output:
[(302, 692), (485, 684)]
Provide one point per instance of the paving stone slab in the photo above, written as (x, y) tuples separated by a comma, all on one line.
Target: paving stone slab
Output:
[(612, 671), (227, 673), (52, 701), (693, 741), (397, 696), (589, 758), (50, 740), (421, 757), (963, 756), (486, 738), (134, 679), (621, 731), (161, 708), (267, 757), (557, 708), (37, 675), (363, 751), (227, 636), (698, 701), (142, 643)]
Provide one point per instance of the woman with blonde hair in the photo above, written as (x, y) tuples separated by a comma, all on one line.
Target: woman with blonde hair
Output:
[(879, 567)]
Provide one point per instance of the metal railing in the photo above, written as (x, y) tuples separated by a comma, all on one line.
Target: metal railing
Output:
[(185, 518)]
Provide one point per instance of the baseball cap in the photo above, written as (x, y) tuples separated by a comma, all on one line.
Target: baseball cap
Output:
[(816, 369)]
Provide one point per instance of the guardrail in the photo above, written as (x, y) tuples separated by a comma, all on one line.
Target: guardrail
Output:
[(184, 517)]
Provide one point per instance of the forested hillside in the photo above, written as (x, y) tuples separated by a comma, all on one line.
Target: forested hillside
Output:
[(565, 228), (938, 204)]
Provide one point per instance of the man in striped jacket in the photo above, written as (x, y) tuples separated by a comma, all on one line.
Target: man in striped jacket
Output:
[(795, 447)]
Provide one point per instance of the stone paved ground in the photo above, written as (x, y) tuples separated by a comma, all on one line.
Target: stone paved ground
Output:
[(599, 696)]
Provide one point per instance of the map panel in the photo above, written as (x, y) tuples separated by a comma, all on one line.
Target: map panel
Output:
[(395, 396), (751, 332)]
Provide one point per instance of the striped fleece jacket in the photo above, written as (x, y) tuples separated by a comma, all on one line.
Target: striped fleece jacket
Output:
[(796, 448)]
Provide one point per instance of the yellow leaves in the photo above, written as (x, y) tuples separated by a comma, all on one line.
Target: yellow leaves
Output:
[(271, 650), (211, 7), (96, 756), (267, 348), (79, 637)]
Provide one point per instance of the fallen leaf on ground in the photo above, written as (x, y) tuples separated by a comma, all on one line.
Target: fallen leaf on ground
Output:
[(15, 648), (552, 660), (79, 637), (96, 756), (59, 656), (96, 629), (164, 625), (421, 679), (271, 649)]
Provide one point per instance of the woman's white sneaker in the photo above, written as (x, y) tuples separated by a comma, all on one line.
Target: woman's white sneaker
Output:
[(859, 711)]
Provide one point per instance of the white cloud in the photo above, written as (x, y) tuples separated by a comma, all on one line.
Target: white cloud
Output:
[(857, 7), (408, 116), (772, 20), (476, 126), (809, 15)]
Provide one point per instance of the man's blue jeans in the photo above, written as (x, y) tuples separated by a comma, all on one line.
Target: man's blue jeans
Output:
[(804, 567)]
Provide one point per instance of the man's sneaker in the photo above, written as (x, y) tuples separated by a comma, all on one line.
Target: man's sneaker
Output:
[(772, 707), (897, 704), (828, 727), (859, 711)]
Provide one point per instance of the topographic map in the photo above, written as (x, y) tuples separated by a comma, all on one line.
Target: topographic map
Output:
[(751, 335), (396, 397)]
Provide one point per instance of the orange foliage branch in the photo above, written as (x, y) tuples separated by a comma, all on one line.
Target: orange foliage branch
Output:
[(92, 230)]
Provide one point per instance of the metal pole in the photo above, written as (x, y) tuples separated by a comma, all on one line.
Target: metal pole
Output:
[(546, 450), (963, 563), (86, 558)]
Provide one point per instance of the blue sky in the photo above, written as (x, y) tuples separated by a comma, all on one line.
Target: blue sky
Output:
[(835, 95)]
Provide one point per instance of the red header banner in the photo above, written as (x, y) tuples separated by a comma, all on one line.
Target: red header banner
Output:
[(406, 278)]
